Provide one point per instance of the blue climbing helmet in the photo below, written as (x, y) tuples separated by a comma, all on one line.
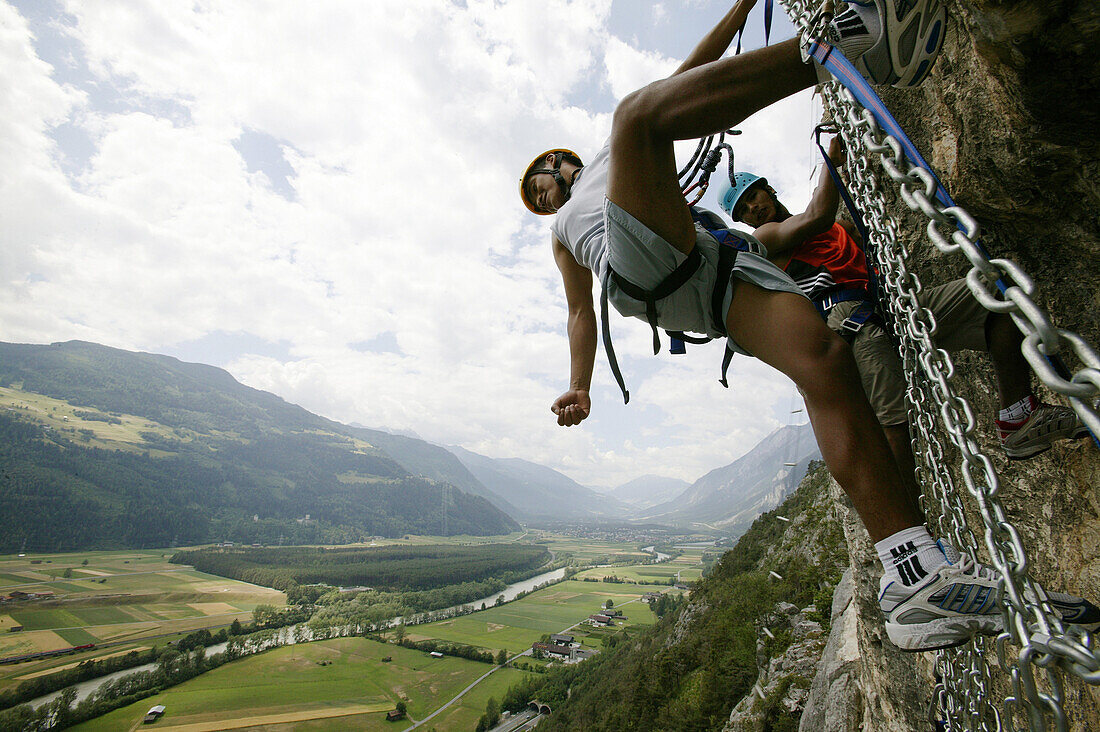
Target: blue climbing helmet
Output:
[(730, 193)]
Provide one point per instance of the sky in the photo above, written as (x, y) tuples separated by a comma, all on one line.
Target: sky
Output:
[(321, 198)]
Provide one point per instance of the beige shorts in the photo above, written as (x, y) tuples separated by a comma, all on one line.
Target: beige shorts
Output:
[(644, 258), (960, 326)]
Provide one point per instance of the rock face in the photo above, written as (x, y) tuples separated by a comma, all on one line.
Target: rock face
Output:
[(854, 679), (1009, 119), (863, 682), (784, 678)]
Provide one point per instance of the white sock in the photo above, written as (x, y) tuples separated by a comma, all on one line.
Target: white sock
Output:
[(1019, 411), (855, 29), (909, 556)]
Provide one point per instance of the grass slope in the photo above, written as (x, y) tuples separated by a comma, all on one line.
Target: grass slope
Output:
[(351, 691)]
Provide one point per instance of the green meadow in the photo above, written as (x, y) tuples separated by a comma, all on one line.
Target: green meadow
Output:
[(687, 567), (514, 626), (352, 690), (591, 551)]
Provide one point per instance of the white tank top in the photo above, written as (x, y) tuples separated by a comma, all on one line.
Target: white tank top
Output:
[(579, 224)]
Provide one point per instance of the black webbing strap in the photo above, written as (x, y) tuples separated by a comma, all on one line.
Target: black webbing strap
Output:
[(675, 280), (608, 349), (727, 257)]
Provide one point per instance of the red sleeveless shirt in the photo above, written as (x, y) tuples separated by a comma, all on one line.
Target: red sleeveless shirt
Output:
[(827, 262)]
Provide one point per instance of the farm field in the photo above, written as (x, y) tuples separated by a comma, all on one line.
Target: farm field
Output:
[(687, 567), (289, 687), (516, 625), (120, 597), (591, 551)]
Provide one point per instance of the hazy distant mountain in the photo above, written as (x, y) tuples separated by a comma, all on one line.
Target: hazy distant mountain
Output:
[(538, 492), (387, 430), (102, 447), (649, 490), (730, 498), (432, 461)]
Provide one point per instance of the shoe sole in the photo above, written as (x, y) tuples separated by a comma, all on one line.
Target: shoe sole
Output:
[(942, 633), (1040, 448), (913, 40)]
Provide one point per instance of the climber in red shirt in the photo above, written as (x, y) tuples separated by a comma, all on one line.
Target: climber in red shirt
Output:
[(824, 256)]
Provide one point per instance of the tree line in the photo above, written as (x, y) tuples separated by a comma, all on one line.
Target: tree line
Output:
[(404, 568)]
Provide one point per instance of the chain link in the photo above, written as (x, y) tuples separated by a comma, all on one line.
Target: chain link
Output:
[(1036, 648)]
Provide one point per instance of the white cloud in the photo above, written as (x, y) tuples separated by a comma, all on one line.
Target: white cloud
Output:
[(629, 68), (405, 128)]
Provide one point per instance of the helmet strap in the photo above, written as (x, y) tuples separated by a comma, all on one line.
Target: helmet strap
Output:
[(566, 188)]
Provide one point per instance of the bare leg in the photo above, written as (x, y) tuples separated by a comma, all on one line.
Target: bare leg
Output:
[(1012, 369), (897, 435), (784, 331), (701, 101)]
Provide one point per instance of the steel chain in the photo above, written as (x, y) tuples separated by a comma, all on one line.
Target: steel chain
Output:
[(963, 698)]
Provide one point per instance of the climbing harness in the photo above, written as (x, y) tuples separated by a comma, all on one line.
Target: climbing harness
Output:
[(1037, 648), (729, 244)]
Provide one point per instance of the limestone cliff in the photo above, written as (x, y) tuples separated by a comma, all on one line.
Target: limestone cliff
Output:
[(1009, 118), (853, 679)]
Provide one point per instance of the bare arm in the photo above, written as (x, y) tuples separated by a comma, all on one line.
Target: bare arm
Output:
[(715, 43), (780, 237), (574, 405), (853, 232)]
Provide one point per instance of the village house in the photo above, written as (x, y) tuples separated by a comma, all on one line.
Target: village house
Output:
[(153, 714), (553, 650)]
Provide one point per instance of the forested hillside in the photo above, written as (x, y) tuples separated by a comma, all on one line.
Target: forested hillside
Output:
[(104, 448)]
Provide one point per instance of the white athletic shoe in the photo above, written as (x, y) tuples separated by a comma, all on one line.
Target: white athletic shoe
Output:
[(1046, 424), (957, 601), (1076, 610), (907, 46)]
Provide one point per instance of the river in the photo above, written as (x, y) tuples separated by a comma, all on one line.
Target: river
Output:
[(661, 557), (287, 637)]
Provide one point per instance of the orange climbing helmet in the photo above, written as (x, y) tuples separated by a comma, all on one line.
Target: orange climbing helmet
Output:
[(534, 169)]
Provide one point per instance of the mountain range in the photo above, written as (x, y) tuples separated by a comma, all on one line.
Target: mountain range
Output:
[(649, 490), (107, 447), (537, 492), (729, 499)]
